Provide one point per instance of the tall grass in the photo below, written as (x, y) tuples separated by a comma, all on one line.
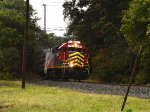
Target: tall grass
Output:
[(55, 99)]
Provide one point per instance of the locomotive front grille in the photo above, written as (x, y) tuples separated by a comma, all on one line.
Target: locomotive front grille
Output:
[(76, 59)]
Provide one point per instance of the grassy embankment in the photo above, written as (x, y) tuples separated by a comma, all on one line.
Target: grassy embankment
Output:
[(55, 99)]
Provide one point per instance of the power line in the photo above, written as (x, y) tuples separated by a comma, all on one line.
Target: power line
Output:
[(49, 2), (55, 29)]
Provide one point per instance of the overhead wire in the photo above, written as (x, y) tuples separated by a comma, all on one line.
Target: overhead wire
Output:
[(49, 4), (55, 29)]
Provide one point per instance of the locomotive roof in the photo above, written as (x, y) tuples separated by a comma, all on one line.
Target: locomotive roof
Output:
[(71, 42)]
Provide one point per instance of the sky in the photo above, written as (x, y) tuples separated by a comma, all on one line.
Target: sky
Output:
[(54, 15)]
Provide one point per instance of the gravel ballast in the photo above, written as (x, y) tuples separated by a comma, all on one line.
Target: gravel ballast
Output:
[(136, 91)]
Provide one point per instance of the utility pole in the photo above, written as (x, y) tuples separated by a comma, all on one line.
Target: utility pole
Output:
[(26, 35), (44, 18)]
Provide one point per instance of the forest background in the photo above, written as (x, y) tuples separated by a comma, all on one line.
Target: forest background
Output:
[(112, 30)]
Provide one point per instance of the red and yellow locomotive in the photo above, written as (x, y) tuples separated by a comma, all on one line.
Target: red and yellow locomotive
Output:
[(69, 61)]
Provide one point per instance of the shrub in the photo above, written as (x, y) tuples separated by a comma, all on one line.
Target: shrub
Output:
[(5, 75), (129, 110), (140, 78), (112, 65)]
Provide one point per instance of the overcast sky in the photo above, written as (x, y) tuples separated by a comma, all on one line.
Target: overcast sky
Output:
[(54, 11)]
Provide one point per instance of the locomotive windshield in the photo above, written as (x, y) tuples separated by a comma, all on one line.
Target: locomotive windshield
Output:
[(74, 49)]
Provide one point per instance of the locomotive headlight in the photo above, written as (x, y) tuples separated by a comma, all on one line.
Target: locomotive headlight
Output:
[(75, 44), (71, 64)]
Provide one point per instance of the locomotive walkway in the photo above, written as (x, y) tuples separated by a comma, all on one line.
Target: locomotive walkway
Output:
[(135, 91)]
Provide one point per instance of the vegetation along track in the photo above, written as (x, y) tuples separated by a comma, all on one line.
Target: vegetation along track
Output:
[(110, 89)]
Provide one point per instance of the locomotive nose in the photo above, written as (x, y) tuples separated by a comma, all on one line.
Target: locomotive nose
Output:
[(76, 59)]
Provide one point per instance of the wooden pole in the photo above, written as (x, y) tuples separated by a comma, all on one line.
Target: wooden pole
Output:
[(26, 35), (131, 78)]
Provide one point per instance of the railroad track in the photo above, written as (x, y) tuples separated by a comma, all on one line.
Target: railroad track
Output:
[(115, 84), (142, 91)]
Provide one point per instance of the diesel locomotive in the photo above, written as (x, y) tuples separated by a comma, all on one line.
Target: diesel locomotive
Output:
[(68, 61)]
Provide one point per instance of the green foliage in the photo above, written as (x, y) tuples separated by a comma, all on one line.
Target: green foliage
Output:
[(53, 40), (5, 75), (143, 75), (94, 20), (113, 64), (128, 110), (140, 78), (10, 62), (11, 58), (136, 22), (97, 23), (12, 20)]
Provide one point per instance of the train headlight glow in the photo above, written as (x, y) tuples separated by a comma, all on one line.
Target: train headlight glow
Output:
[(75, 44), (71, 64)]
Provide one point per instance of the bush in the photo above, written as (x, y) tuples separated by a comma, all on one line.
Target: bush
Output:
[(112, 65), (129, 110), (5, 75), (140, 79), (143, 75)]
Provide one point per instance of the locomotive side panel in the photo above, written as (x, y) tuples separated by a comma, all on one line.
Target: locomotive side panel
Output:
[(49, 60)]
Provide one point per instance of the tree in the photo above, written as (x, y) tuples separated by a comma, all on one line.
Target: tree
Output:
[(136, 28), (54, 40), (97, 23), (136, 22), (12, 15)]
